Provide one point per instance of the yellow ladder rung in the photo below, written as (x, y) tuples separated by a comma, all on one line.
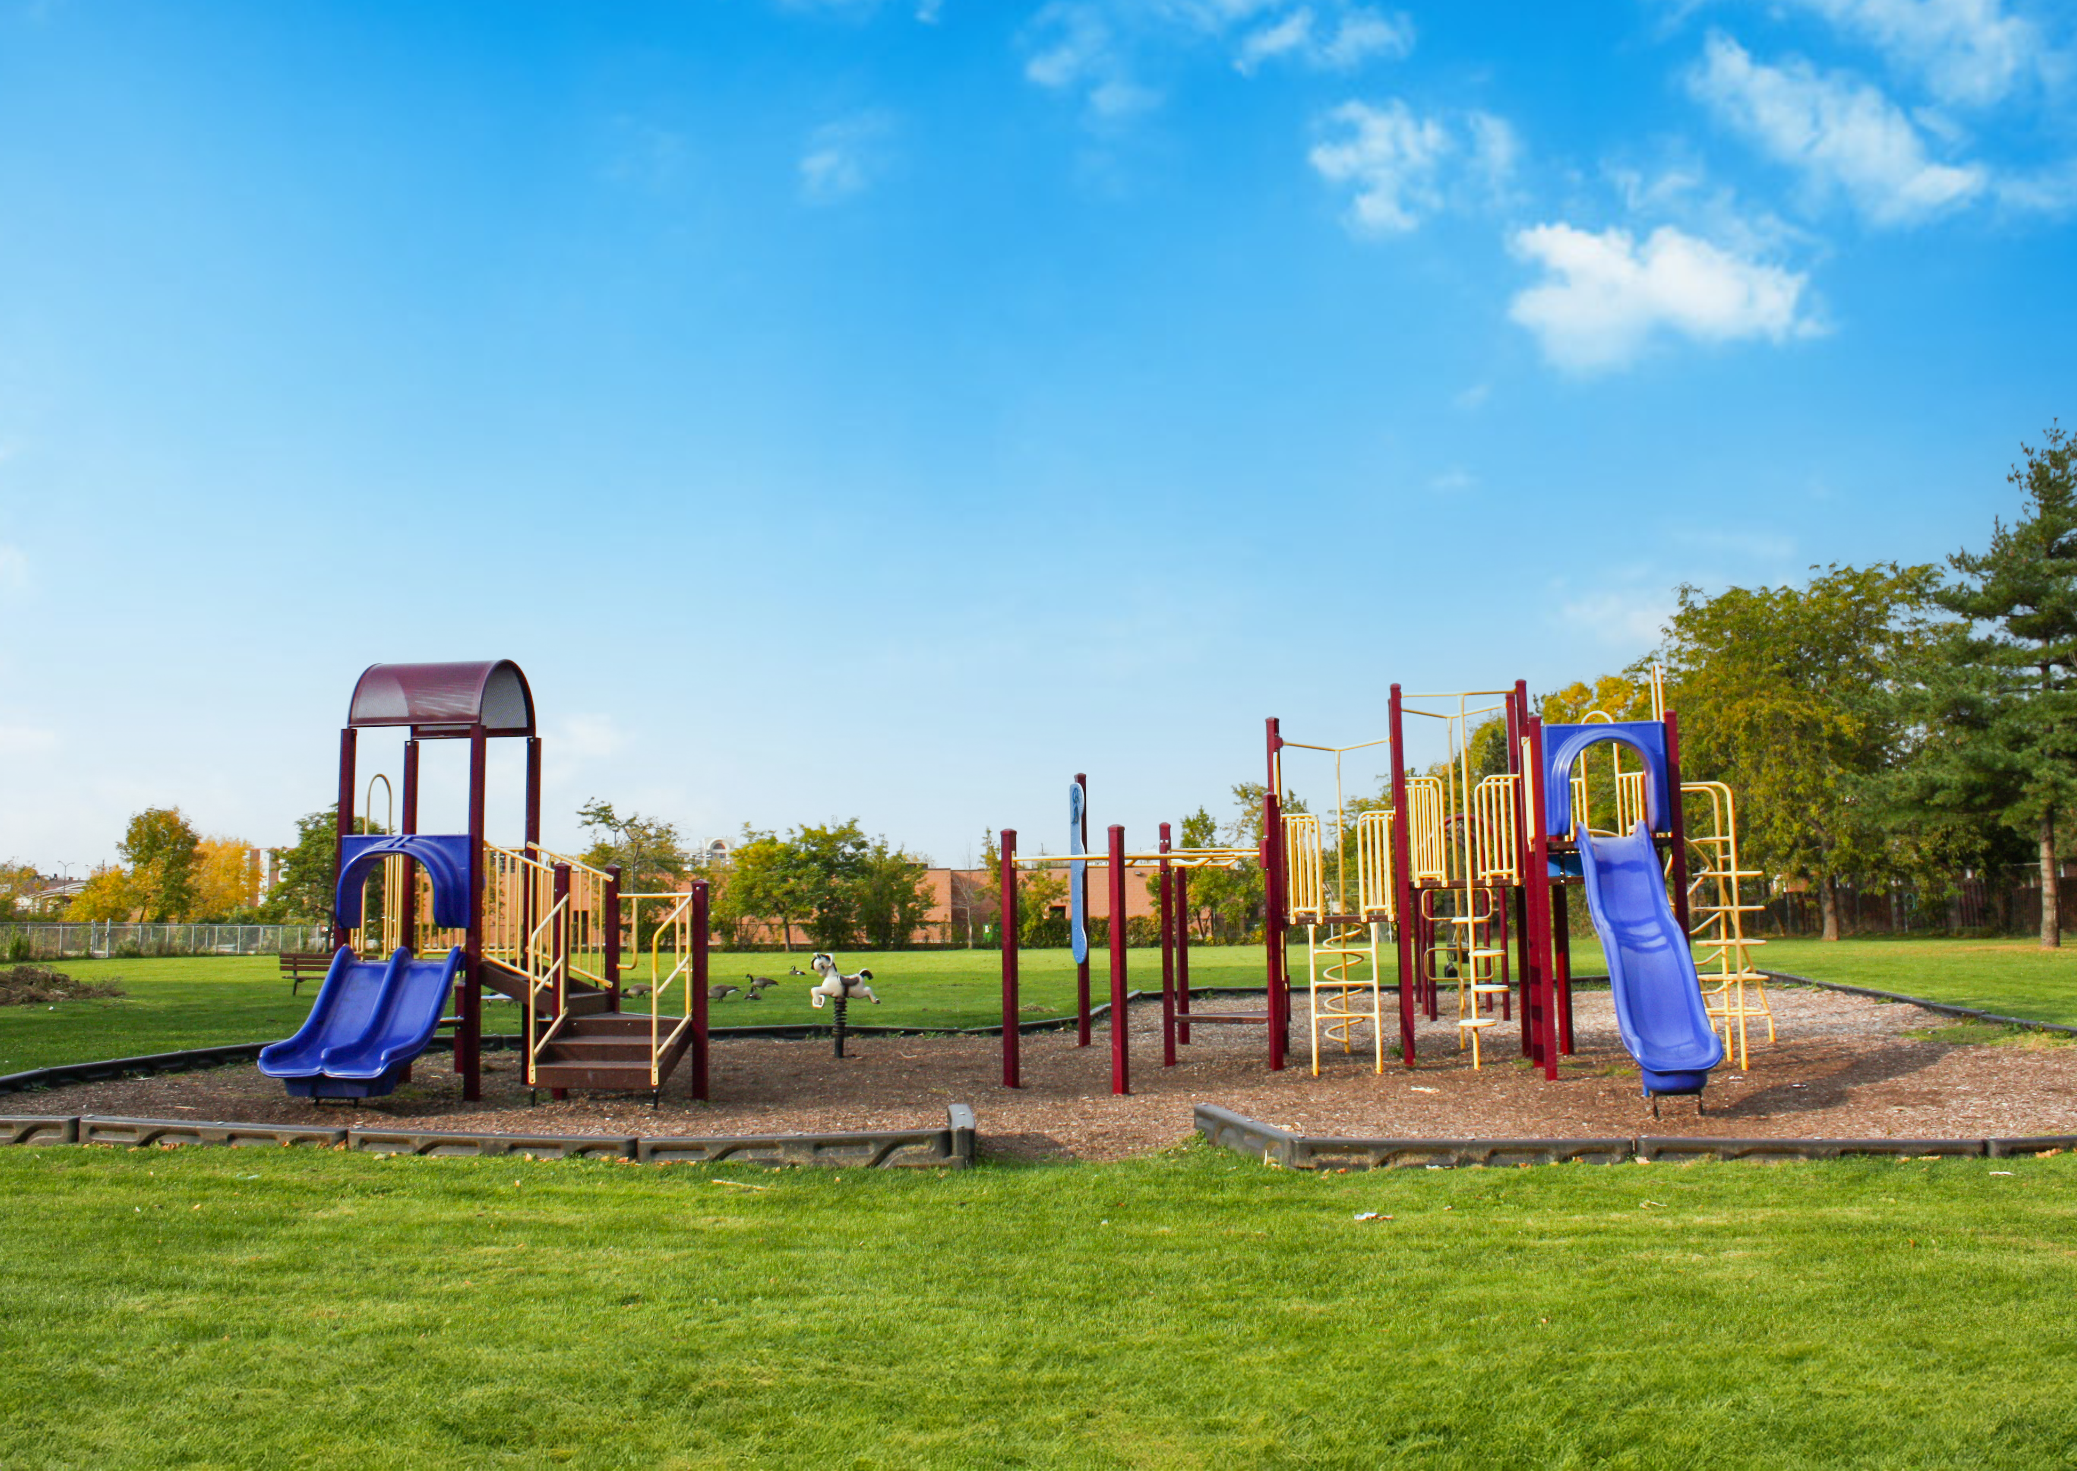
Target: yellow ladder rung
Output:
[(1473, 1023)]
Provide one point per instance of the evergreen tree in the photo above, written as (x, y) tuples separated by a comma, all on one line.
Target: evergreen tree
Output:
[(1998, 705)]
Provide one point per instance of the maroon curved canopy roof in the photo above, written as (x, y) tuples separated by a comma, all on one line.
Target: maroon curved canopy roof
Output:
[(438, 700)]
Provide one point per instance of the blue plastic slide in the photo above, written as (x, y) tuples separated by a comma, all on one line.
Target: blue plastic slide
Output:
[(369, 1020), (1658, 998)]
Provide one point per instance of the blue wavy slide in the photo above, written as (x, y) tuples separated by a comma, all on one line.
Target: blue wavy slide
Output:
[(1658, 997), (370, 1018)]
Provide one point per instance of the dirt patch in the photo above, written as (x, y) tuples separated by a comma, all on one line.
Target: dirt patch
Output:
[(1842, 1066), (32, 985)]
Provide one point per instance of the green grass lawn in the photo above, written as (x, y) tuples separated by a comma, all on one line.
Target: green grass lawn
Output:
[(2010, 977), (247, 1307)]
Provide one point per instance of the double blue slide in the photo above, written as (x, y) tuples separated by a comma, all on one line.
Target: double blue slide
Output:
[(1658, 996), (370, 1019)]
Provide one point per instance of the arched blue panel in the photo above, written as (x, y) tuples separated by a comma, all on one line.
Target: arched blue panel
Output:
[(444, 858), (1562, 745)]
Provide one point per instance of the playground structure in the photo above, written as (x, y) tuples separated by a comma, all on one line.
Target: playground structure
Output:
[(1471, 862), (546, 930), (1172, 867)]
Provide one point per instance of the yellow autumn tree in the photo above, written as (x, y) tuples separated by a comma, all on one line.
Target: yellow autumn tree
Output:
[(225, 880), (109, 894)]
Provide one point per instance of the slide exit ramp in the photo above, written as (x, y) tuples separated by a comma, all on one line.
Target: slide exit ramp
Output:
[(1658, 998), (369, 1020)]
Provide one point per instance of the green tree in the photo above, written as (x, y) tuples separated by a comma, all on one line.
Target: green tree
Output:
[(893, 895), (160, 848), (647, 850), (1997, 700), (1774, 688), (302, 892)]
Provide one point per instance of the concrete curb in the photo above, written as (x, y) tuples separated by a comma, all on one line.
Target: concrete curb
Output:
[(951, 1147), (1271, 1145)]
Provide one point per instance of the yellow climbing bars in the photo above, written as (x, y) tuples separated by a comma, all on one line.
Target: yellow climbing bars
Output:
[(1424, 810), (1734, 991), (1377, 892), (1302, 868)]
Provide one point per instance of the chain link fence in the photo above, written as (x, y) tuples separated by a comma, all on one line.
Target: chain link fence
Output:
[(19, 942)]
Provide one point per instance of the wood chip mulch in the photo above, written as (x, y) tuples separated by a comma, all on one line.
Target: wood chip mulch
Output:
[(1842, 1067)]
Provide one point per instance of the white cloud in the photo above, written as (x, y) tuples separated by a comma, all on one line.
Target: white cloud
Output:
[(842, 158), (1840, 132), (1081, 52), (1605, 297), (1393, 161), (1969, 51), (14, 569), (1098, 49), (1390, 158), (1473, 397), (1340, 44), (1454, 481)]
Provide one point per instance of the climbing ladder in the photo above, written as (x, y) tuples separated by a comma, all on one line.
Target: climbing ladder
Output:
[(1733, 989), (1342, 948)]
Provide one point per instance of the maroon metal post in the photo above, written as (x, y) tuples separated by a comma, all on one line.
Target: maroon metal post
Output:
[(700, 941), (468, 1040), (1539, 927), (1676, 819), (1081, 881), (344, 829), (611, 939), (1012, 1074), (533, 790), (1273, 901), (1402, 866), (407, 928), (1182, 938), (1121, 1080), (1166, 889)]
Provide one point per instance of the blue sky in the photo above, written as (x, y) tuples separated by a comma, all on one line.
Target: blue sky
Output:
[(890, 409)]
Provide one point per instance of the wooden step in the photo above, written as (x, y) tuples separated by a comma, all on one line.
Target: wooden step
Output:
[(619, 1024), (601, 1076)]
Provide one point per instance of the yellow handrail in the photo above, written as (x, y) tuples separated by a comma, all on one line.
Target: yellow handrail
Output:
[(1424, 829), (1302, 868), (540, 977), (1377, 892)]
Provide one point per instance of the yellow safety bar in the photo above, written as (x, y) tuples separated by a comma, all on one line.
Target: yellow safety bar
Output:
[(1495, 841), (1302, 868), (1424, 808), (1377, 889)]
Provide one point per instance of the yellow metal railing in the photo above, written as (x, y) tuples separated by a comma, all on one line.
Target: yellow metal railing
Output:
[(1733, 989), (1496, 843), (1303, 874), (1377, 888), (545, 962), (1430, 858), (676, 925)]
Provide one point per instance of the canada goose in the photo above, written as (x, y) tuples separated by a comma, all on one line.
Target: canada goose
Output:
[(717, 993)]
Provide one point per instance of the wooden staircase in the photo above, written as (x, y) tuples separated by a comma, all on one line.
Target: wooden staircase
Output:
[(584, 998), (610, 1051)]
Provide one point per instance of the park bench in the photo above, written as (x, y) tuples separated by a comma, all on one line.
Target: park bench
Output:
[(302, 965)]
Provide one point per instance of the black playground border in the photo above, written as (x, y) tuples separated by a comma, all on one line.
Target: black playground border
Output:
[(1273, 1146), (950, 1147)]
